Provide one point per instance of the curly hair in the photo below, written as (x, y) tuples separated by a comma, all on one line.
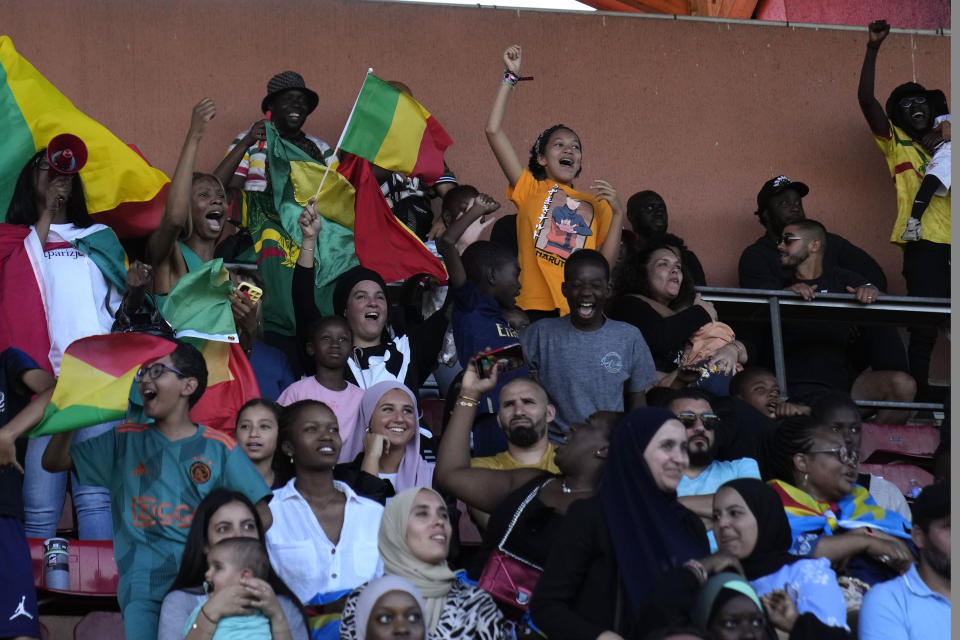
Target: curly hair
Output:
[(23, 203), (632, 274), (539, 148)]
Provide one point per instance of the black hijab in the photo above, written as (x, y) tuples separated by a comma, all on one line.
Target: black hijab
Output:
[(773, 530), (650, 530)]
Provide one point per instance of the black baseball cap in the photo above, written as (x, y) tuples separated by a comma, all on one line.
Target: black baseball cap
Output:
[(776, 186), (932, 503)]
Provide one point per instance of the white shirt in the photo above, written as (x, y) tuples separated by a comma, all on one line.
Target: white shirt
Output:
[(304, 557)]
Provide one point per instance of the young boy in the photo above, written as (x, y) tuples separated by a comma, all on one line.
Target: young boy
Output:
[(484, 283), (157, 474), (231, 562), (585, 361), (330, 344), (757, 386)]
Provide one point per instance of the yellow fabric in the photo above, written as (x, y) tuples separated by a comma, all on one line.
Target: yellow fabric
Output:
[(337, 198), (99, 388), (543, 246), (900, 151), (114, 173), (504, 460), (401, 146)]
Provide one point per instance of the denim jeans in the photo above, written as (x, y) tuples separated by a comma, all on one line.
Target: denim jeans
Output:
[(44, 492)]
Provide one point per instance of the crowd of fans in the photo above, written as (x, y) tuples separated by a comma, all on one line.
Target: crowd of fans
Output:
[(625, 454)]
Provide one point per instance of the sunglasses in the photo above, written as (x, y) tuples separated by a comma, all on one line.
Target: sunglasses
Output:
[(710, 421), (846, 456), (788, 239), (155, 370), (906, 102)]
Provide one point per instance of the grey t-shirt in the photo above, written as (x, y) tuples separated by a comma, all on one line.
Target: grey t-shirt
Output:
[(586, 371), (178, 605)]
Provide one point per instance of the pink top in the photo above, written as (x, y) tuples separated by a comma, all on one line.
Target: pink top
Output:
[(345, 405)]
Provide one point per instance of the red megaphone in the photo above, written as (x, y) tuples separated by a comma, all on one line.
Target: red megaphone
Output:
[(66, 154)]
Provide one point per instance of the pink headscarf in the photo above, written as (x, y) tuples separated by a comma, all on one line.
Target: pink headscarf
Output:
[(414, 471)]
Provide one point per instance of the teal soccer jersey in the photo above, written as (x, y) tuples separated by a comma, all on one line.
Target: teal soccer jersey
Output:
[(155, 485)]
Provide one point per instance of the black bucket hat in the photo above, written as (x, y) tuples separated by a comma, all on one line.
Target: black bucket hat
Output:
[(286, 81)]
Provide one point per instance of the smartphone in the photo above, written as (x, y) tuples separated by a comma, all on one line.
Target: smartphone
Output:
[(252, 291), (508, 358)]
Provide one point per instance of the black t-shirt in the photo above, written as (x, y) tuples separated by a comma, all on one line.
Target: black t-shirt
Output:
[(14, 396), (817, 353)]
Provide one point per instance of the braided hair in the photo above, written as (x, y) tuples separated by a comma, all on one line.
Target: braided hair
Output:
[(794, 435), (539, 148)]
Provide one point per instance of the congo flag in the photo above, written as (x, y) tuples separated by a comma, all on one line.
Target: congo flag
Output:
[(95, 379)]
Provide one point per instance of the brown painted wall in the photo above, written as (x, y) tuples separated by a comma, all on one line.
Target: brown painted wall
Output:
[(703, 112)]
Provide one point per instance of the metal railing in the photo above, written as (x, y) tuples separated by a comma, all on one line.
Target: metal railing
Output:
[(775, 306)]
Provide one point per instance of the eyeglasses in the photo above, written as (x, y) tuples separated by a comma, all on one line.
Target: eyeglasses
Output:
[(906, 102), (710, 420), (788, 239), (155, 370), (845, 455)]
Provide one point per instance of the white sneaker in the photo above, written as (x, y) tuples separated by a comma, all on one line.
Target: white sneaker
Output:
[(913, 232)]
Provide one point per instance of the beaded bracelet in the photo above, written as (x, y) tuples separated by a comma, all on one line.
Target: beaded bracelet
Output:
[(467, 401)]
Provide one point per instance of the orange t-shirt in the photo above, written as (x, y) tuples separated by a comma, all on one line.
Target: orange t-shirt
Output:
[(553, 221)]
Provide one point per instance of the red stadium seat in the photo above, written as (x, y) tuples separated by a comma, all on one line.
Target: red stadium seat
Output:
[(433, 418), (906, 476), (913, 441), (93, 571), (97, 625)]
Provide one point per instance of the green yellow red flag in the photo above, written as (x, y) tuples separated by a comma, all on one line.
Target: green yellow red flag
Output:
[(95, 378), (392, 130), (122, 190)]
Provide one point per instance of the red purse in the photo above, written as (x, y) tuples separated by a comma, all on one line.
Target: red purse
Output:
[(509, 579)]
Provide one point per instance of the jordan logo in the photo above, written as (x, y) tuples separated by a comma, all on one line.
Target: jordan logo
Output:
[(140, 470), (20, 611)]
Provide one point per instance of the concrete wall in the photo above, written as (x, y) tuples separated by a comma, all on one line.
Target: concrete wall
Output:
[(903, 14), (703, 112)]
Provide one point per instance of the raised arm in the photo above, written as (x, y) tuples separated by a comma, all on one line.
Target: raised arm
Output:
[(228, 166), (483, 489), (869, 105), (611, 243), (499, 142), (56, 457), (447, 243), (176, 213)]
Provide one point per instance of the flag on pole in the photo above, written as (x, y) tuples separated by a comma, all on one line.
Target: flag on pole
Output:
[(394, 131), (271, 219), (122, 190), (382, 242), (95, 379)]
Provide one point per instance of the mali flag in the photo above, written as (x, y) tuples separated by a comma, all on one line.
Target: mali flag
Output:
[(382, 242), (122, 190), (198, 309), (394, 131), (95, 379)]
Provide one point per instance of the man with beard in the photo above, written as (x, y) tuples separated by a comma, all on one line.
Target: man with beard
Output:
[(779, 203), (704, 475), (917, 604), (834, 356), (525, 411)]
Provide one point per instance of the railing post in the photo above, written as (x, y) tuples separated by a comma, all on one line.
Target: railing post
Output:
[(776, 332)]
